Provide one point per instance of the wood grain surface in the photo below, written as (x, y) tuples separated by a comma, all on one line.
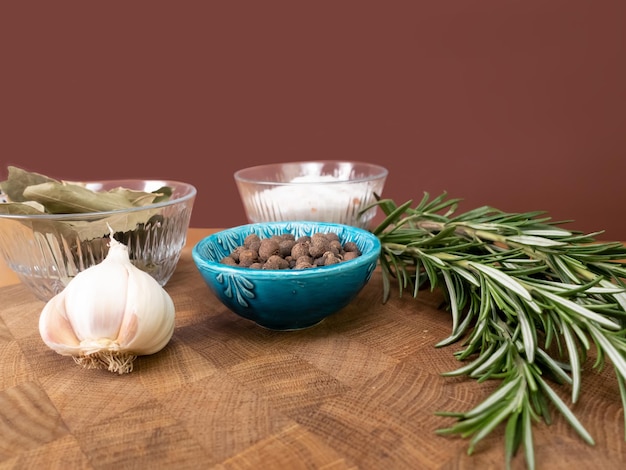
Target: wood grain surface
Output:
[(358, 391)]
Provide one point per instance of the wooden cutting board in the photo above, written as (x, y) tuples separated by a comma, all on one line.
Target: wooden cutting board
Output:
[(360, 390)]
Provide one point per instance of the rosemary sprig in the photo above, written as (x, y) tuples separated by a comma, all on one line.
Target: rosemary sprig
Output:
[(528, 300)]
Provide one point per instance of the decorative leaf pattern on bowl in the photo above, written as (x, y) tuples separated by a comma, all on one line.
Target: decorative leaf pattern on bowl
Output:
[(237, 287), (230, 241)]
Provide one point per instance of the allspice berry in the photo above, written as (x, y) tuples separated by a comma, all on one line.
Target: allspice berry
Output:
[(252, 241), (351, 246), (247, 257), (319, 245), (286, 246), (229, 260), (284, 251), (268, 248), (276, 262), (330, 258), (301, 248)]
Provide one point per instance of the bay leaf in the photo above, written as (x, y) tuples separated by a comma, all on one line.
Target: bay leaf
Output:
[(162, 194), (124, 222), (18, 180), (142, 198), (68, 198), (21, 208), (39, 194)]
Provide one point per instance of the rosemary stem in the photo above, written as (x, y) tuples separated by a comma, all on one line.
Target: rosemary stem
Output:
[(467, 231)]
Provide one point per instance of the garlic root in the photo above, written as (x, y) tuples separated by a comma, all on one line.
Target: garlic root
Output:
[(122, 363)]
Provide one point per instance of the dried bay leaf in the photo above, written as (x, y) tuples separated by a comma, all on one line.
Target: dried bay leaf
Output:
[(141, 198), (18, 180), (21, 208), (125, 222), (39, 194), (84, 229), (162, 194), (64, 197), (67, 198)]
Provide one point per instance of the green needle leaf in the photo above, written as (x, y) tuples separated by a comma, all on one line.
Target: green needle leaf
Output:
[(585, 312), (453, 300), (566, 412), (495, 398), (505, 281), (574, 361), (528, 437), (535, 241)]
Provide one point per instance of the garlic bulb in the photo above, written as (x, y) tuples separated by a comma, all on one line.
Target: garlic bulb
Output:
[(109, 314)]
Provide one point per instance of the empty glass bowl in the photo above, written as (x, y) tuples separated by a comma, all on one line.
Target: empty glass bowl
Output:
[(47, 250), (323, 191)]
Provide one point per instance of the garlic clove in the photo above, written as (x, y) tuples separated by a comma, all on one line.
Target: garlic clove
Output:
[(101, 315), (55, 326), (140, 332)]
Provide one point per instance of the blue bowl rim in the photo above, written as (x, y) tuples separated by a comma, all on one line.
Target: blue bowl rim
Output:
[(365, 258)]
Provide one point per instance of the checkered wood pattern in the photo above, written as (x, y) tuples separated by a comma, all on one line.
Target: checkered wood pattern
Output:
[(358, 391)]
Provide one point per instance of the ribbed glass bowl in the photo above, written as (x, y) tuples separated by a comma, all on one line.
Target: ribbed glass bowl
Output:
[(286, 299), (324, 191), (46, 251)]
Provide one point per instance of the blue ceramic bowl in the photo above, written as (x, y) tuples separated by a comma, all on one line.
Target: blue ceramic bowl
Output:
[(286, 299)]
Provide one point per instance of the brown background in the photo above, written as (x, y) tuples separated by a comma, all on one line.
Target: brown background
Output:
[(515, 104)]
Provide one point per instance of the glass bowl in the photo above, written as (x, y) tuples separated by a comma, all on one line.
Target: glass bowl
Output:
[(47, 250), (286, 299), (324, 191)]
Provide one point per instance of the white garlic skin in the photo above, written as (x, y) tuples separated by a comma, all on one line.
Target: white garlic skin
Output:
[(112, 307)]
